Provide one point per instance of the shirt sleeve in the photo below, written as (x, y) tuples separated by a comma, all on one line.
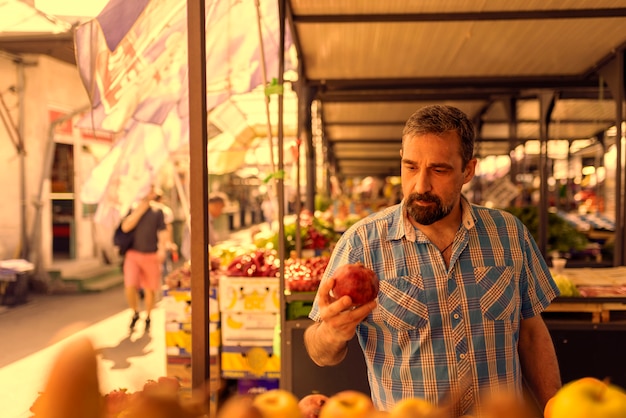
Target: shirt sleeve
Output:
[(538, 288)]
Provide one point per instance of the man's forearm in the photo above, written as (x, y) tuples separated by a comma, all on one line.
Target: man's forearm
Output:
[(539, 363), (322, 349)]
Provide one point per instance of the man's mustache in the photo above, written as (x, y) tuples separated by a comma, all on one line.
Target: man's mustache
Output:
[(423, 197)]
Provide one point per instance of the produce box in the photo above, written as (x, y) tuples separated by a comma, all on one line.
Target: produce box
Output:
[(299, 309), (248, 329), (249, 294), (256, 386), (178, 339), (176, 304), (214, 307), (179, 368), (241, 362)]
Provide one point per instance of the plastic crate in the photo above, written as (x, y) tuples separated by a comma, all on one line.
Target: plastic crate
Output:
[(299, 309)]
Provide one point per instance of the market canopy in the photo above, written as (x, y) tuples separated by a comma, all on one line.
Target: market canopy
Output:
[(372, 63), (133, 61)]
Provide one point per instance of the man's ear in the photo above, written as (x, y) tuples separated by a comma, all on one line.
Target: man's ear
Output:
[(470, 170)]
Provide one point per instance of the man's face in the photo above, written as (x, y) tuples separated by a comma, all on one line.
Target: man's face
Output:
[(216, 209), (433, 176)]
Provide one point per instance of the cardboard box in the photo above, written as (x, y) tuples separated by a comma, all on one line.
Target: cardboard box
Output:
[(248, 329), (176, 304), (215, 339), (214, 307), (178, 339), (256, 386), (179, 368), (249, 294), (241, 362)]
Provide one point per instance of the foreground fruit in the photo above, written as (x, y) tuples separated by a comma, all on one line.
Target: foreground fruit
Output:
[(347, 404), (587, 397), (416, 408), (356, 281), (311, 405), (277, 403), (239, 406)]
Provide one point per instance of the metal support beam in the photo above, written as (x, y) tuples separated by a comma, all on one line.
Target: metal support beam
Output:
[(546, 105), (613, 72), (199, 189)]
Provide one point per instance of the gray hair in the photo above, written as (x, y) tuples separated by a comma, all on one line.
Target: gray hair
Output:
[(437, 119)]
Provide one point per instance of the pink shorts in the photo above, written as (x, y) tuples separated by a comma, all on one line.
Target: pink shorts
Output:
[(142, 270)]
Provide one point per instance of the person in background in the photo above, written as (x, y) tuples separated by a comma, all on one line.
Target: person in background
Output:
[(270, 210), (462, 286), (217, 202), (171, 252), (144, 260)]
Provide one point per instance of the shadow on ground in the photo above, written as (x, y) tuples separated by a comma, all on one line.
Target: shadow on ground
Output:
[(124, 350)]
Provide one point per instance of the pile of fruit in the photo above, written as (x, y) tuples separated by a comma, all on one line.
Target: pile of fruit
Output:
[(258, 263), (565, 285), (180, 277), (584, 398), (304, 274)]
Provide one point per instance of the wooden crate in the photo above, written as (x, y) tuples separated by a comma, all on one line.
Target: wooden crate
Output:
[(598, 311)]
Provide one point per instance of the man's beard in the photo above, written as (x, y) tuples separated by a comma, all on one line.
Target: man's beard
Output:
[(426, 215)]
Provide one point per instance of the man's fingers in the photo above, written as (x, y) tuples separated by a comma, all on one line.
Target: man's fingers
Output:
[(324, 291)]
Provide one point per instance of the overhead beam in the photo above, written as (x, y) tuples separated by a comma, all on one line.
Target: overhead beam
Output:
[(551, 14)]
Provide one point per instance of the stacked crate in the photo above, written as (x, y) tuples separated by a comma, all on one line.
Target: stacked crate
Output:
[(249, 308), (176, 304)]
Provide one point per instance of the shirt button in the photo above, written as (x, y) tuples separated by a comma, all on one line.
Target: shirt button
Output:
[(456, 316), (462, 356)]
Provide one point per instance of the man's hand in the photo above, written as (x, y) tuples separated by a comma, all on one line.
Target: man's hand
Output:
[(339, 316), (327, 341)]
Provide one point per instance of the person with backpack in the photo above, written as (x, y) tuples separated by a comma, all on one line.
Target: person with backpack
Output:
[(144, 258)]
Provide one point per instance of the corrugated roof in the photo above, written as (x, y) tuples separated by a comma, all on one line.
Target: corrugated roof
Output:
[(371, 64)]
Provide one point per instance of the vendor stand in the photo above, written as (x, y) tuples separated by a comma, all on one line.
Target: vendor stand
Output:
[(589, 329)]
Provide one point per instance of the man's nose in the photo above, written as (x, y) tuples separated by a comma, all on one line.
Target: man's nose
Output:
[(421, 182)]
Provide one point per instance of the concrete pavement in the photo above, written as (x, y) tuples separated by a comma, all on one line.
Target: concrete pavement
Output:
[(33, 333)]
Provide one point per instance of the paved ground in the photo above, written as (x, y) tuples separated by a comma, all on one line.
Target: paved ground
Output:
[(43, 319), (32, 334)]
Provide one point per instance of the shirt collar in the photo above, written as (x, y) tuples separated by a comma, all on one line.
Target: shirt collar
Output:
[(404, 228)]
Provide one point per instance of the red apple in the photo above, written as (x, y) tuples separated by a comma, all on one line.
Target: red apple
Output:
[(587, 397), (311, 405), (277, 403), (356, 281), (347, 404)]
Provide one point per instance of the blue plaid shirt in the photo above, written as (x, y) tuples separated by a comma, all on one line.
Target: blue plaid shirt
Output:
[(438, 333)]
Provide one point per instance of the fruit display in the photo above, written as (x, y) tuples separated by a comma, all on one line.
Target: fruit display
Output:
[(565, 285), (304, 274), (316, 233), (258, 263), (179, 278), (587, 397), (357, 281)]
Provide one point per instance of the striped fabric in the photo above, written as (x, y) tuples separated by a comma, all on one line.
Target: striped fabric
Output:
[(438, 333)]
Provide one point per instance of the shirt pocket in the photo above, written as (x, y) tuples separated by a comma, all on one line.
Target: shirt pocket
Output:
[(499, 292), (402, 303)]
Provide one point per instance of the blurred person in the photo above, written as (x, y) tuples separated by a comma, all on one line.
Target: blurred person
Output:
[(270, 210), (143, 262), (171, 252), (462, 287), (217, 202)]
